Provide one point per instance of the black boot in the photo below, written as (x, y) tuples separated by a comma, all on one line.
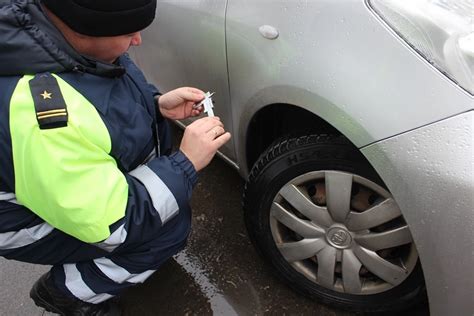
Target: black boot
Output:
[(45, 294)]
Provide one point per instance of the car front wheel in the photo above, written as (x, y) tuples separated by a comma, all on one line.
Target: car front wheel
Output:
[(320, 215)]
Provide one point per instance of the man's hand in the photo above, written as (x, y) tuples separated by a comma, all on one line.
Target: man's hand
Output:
[(202, 139), (178, 104)]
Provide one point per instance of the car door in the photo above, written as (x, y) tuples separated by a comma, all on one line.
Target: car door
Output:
[(185, 46)]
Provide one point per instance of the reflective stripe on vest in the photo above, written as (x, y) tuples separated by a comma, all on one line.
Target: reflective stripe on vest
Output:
[(163, 200), (25, 236), (8, 197)]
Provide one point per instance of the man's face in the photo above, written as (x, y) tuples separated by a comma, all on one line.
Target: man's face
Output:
[(108, 49)]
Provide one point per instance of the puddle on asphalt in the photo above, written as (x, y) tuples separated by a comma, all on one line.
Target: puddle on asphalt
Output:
[(219, 304), (169, 291)]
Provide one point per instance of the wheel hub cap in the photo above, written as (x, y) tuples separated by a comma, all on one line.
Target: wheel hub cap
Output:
[(339, 237), (343, 232)]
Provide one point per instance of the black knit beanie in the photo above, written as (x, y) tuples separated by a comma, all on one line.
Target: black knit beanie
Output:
[(104, 17)]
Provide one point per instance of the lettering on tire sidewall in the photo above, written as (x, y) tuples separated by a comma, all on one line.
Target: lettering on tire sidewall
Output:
[(315, 154)]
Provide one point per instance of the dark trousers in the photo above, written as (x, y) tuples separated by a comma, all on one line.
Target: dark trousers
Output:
[(93, 272)]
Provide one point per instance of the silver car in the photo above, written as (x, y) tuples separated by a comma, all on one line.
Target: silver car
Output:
[(352, 122)]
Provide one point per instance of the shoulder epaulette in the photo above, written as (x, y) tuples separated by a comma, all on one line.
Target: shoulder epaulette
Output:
[(51, 110)]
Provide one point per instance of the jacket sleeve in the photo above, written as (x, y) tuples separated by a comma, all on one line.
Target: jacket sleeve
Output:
[(158, 191), (168, 181), (67, 177)]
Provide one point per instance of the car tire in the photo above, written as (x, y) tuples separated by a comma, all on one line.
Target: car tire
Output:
[(280, 221)]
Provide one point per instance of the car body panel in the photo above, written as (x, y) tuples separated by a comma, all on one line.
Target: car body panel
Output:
[(422, 168), (338, 60), (204, 38), (185, 46)]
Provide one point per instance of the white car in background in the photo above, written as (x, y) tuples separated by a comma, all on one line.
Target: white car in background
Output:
[(352, 122)]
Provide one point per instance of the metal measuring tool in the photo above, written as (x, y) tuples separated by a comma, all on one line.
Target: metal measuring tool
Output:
[(207, 103)]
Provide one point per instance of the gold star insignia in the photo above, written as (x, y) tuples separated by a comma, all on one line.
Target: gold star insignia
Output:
[(46, 95)]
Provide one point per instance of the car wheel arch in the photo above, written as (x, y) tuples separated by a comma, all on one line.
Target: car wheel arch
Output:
[(276, 120)]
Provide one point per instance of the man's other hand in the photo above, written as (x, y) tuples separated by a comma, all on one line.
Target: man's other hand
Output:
[(178, 104), (202, 139)]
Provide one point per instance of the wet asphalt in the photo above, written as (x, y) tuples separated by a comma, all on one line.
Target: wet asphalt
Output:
[(218, 273)]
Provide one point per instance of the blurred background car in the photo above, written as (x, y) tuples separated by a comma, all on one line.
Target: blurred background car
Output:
[(352, 122)]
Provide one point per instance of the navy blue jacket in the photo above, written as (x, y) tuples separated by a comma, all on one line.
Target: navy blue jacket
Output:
[(123, 98)]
